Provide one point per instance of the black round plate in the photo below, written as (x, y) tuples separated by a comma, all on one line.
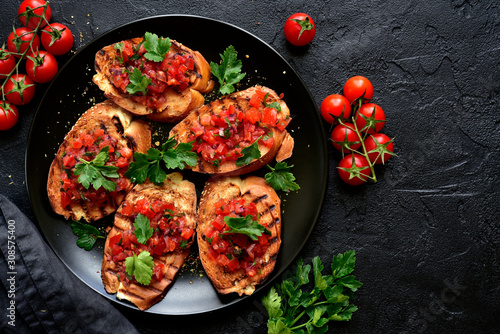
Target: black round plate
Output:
[(72, 92)]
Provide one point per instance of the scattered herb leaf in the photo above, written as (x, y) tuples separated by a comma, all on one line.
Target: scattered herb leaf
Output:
[(87, 235), (280, 177), (249, 153), (228, 72)]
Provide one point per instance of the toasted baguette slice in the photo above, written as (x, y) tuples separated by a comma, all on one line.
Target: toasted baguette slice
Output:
[(181, 193), (281, 148), (130, 135), (177, 104), (252, 190)]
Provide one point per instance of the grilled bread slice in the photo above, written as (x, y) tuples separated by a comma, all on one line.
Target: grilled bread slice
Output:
[(222, 129), (233, 261), (175, 195), (169, 105), (105, 124)]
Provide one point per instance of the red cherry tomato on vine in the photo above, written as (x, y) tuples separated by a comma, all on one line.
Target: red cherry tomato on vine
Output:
[(370, 118), (376, 144), (19, 89), (344, 137), (299, 29), (357, 87), (8, 115), (19, 40), (42, 67), (57, 39), (355, 176), (27, 8), (7, 63), (334, 106)]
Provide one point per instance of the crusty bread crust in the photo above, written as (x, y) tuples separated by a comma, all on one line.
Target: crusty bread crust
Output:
[(252, 189), (178, 103), (134, 134), (174, 190), (241, 98)]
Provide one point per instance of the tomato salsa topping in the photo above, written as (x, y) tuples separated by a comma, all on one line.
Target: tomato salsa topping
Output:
[(147, 69), (86, 147), (235, 251), (222, 137), (169, 233)]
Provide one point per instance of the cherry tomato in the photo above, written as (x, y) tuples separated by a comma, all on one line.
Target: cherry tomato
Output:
[(42, 67), (370, 118), (359, 174), (344, 137), (57, 39), (27, 9), (356, 87), (335, 106), (19, 89), (300, 29), (19, 40), (376, 144), (7, 63), (8, 115)]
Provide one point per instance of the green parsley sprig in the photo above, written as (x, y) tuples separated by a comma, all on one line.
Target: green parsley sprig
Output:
[(143, 229), (94, 172), (152, 165), (138, 82), (328, 300), (245, 225), (249, 153), (280, 177), (140, 266), (87, 235), (228, 72), (156, 47)]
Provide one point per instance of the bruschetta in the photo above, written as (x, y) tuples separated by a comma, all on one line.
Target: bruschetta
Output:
[(107, 133), (238, 133), (153, 76), (234, 259), (170, 210)]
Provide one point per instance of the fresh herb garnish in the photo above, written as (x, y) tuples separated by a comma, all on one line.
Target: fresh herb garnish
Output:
[(143, 229), (140, 266), (138, 82), (95, 172), (152, 164), (287, 302), (280, 177), (87, 235), (245, 225), (276, 105), (249, 153), (156, 47), (119, 47), (228, 72)]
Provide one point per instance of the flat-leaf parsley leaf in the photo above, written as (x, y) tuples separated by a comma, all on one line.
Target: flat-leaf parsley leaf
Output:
[(87, 235), (245, 225), (280, 177), (95, 172), (140, 266), (138, 82), (228, 72), (156, 47)]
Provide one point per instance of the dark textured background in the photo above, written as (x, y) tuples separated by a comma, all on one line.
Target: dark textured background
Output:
[(427, 234)]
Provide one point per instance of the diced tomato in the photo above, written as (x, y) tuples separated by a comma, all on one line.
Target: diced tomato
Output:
[(189, 63), (253, 115), (158, 271), (65, 199), (159, 246), (250, 271), (66, 184), (281, 125), (223, 260), (87, 139), (240, 240), (77, 143), (218, 223), (251, 209), (210, 232), (187, 233), (123, 183), (116, 249), (255, 101), (126, 152), (115, 239), (121, 162), (212, 254), (270, 116), (98, 133), (233, 264), (171, 244), (119, 257), (69, 161), (163, 224), (261, 94), (263, 239)]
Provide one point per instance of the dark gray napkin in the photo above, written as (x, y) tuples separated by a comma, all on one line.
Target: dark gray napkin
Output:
[(47, 297)]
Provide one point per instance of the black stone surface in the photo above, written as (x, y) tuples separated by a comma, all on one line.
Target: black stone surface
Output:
[(427, 234)]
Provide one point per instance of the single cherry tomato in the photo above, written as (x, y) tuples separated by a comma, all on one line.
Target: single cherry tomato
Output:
[(57, 39), (344, 137), (7, 63), (356, 87), (41, 67), (8, 115), (300, 29), (19, 40), (19, 89), (379, 148), (335, 106), (27, 11), (356, 175), (370, 118)]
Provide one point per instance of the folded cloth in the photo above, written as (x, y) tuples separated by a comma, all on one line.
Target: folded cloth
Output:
[(38, 293)]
